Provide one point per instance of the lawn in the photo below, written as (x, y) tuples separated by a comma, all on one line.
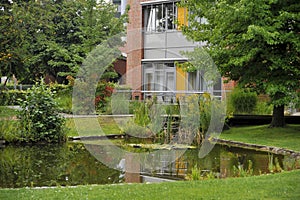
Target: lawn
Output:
[(92, 126), (89, 126), (6, 112), (276, 186), (288, 137)]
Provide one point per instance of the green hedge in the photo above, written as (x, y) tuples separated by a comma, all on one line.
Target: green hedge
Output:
[(12, 97), (242, 101)]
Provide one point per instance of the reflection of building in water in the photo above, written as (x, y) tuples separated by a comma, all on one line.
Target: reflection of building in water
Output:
[(170, 164), (132, 168), (166, 163)]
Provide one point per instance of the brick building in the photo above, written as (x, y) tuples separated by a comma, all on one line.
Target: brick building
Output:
[(154, 46)]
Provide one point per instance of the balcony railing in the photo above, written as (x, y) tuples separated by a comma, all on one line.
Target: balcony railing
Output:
[(170, 96)]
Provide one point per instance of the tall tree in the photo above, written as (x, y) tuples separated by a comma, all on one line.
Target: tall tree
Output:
[(253, 42), (52, 37)]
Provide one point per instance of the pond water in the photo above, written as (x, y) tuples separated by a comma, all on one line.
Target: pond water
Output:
[(71, 164)]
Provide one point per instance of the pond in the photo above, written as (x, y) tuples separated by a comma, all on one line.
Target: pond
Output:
[(72, 164)]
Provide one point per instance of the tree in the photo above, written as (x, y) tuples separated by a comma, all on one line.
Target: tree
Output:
[(52, 37), (253, 42), (13, 39)]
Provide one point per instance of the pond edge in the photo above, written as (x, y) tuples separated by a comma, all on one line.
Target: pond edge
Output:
[(257, 147)]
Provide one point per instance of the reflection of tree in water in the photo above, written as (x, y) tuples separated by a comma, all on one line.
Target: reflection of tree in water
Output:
[(51, 165)]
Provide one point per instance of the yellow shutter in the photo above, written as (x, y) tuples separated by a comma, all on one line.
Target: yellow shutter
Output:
[(182, 17)]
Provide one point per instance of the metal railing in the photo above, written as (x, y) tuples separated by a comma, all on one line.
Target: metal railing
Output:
[(170, 96)]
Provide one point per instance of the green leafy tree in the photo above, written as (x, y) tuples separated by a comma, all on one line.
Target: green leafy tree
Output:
[(52, 37), (254, 42), (13, 38)]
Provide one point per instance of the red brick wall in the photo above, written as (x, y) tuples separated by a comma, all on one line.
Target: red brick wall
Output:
[(120, 66), (229, 86), (134, 47)]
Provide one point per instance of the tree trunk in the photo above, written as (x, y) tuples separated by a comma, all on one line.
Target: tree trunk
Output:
[(278, 117)]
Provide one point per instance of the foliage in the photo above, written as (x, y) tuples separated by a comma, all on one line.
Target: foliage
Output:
[(63, 96), (131, 128), (273, 164), (297, 105), (253, 42), (263, 108), (94, 69), (243, 101), (241, 171), (104, 91), (12, 97), (39, 117), (120, 101), (7, 112), (198, 113), (148, 119), (195, 174), (138, 125), (9, 131), (200, 60), (190, 120), (52, 37)]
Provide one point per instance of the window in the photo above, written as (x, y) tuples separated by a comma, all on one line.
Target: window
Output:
[(196, 81), (159, 76), (160, 17)]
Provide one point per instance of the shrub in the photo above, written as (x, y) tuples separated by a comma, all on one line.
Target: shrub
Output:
[(12, 97), (263, 108), (147, 121), (104, 91), (242, 101), (198, 113), (39, 116)]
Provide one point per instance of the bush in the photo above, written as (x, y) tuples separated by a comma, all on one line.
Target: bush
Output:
[(39, 117), (104, 91), (242, 101), (263, 108), (196, 117), (12, 97)]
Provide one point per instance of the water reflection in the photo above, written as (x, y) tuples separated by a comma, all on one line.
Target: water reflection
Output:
[(52, 165), (72, 164)]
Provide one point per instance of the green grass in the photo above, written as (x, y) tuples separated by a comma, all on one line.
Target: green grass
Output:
[(275, 186), (92, 126), (6, 112), (288, 137)]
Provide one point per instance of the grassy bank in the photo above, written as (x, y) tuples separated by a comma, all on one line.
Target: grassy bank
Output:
[(276, 186), (91, 126), (288, 137)]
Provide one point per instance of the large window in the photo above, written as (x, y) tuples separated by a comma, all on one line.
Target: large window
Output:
[(160, 17), (159, 77), (196, 82)]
